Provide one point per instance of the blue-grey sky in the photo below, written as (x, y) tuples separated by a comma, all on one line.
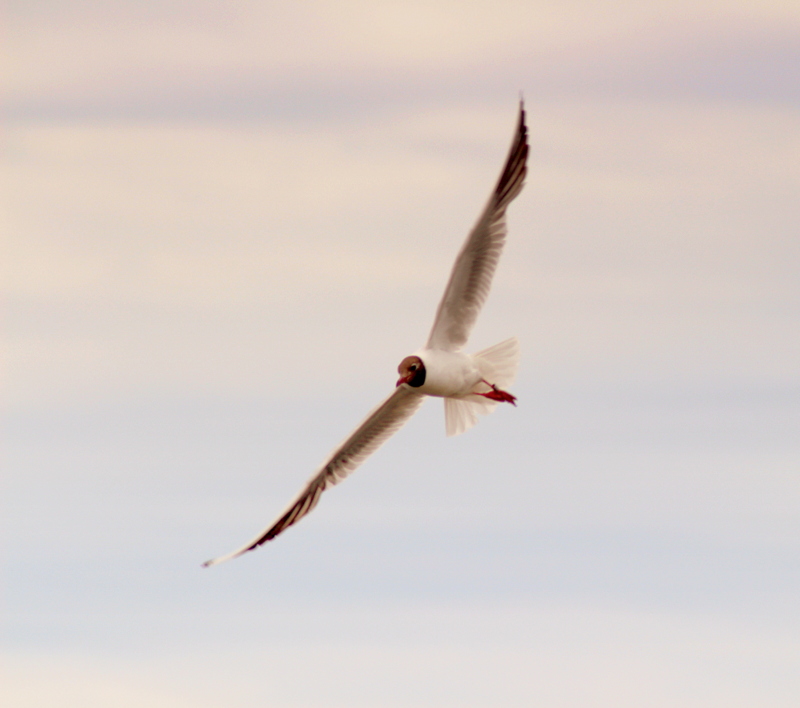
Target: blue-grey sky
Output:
[(226, 223)]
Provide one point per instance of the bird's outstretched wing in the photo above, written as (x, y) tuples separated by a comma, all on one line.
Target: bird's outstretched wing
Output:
[(377, 428), (475, 265)]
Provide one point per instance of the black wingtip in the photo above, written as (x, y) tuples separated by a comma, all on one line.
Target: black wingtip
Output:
[(514, 171)]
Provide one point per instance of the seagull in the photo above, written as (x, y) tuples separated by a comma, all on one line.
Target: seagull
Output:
[(469, 383)]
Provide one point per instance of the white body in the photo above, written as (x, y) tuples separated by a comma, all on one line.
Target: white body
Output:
[(459, 378), (448, 374)]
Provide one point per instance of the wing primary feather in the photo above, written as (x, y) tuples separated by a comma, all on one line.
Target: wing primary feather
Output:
[(471, 277), (384, 420)]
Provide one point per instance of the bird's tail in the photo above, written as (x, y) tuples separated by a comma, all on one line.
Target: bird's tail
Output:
[(498, 365)]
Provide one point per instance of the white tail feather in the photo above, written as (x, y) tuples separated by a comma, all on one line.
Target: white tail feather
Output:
[(458, 416), (498, 365)]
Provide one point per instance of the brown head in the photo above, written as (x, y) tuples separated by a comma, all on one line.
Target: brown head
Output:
[(412, 371)]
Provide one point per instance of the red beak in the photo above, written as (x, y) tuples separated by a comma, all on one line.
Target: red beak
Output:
[(403, 379)]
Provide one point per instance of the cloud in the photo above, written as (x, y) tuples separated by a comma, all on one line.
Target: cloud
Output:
[(648, 232), (457, 654), (314, 61)]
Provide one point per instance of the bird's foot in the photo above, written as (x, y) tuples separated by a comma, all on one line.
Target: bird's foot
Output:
[(497, 394)]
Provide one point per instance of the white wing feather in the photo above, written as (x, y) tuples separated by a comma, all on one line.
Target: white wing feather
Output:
[(471, 278), (385, 420)]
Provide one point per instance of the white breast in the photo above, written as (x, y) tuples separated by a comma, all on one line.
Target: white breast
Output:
[(448, 373)]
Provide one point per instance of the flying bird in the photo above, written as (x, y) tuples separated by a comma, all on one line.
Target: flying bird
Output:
[(468, 383)]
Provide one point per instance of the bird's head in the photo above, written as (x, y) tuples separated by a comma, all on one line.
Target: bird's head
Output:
[(412, 371)]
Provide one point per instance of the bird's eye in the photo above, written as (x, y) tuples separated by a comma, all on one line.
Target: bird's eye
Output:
[(413, 367)]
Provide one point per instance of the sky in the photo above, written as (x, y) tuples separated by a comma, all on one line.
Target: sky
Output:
[(224, 225)]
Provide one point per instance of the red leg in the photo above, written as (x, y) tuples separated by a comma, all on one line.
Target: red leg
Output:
[(497, 395)]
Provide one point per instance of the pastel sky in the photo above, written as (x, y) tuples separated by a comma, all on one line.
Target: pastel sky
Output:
[(224, 225)]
